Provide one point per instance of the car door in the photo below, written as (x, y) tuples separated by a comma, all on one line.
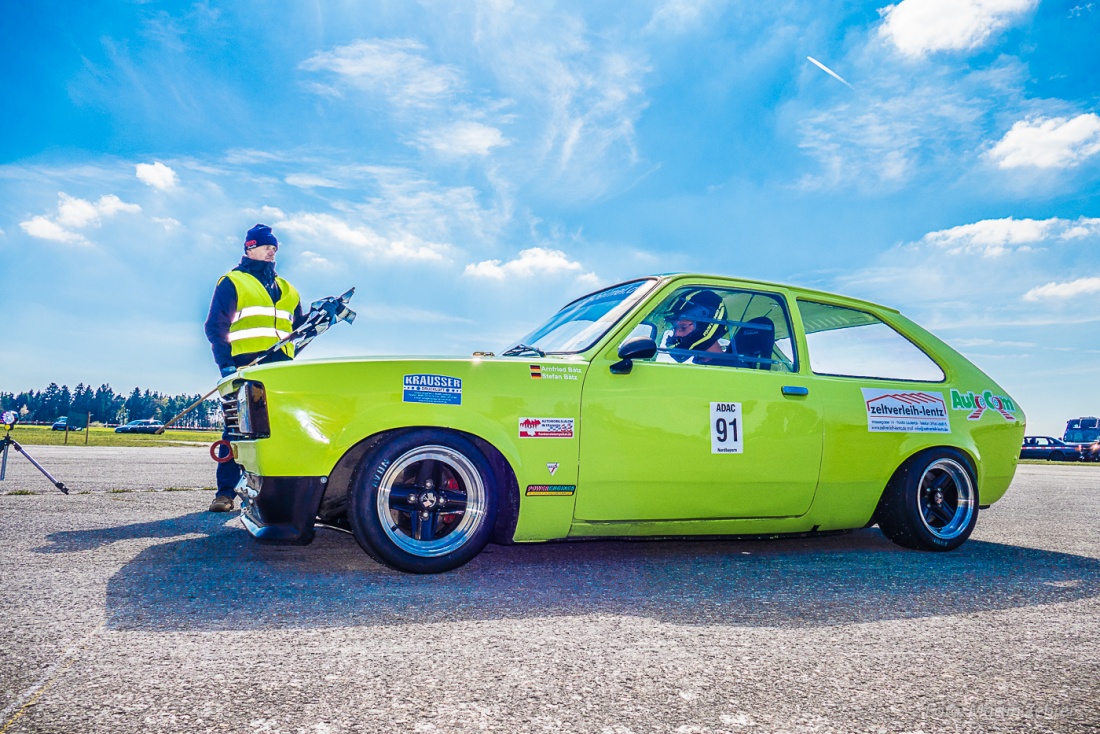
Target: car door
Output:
[(693, 434)]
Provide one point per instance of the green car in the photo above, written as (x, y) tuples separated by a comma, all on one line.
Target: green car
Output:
[(677, 405)]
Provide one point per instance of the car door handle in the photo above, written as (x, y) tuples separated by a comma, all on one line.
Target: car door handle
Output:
[(795, 390)]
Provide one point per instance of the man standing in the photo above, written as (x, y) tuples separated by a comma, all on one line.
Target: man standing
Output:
[(252, 309)]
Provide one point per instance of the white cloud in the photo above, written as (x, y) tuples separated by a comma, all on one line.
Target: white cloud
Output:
[(996, 237), (533, 262), (44, 228), (396, 68), (309, 257), (74, 213), (1055, 142), (309, 181), (1071, 289), (918, 27), (168, 223), (463, 139), (679, 16), (330, 230), (157, 175)]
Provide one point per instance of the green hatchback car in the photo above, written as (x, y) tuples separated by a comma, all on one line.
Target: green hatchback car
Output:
[(677, 405)]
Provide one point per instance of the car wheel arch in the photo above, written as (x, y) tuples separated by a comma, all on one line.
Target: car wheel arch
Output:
[(341, 479), (908, 461)]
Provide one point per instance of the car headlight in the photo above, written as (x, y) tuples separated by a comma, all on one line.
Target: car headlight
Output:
[(252, 410)]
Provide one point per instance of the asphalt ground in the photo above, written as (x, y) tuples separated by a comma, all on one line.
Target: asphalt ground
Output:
[(139, 612)]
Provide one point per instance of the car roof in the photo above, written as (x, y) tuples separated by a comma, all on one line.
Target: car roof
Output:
[(734, 280)]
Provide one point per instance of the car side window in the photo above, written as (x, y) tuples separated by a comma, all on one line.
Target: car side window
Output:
[(722, 327), (846, 342)]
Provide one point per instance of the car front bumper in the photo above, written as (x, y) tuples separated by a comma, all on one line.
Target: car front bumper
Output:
[(280, 509)]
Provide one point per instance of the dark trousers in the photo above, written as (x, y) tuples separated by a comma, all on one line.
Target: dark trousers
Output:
[(228, 474)]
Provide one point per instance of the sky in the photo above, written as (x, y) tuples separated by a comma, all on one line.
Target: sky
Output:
[(472, 166)]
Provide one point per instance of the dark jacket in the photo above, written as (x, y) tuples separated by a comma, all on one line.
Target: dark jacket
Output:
[(224, 305)]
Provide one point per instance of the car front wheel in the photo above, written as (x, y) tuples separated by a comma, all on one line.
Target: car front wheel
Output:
[(424, 502), (932, 503)]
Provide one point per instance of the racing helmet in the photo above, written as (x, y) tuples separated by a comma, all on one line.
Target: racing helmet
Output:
[(706, 310)]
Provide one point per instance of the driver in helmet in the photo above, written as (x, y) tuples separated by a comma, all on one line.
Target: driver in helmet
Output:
[(695, 319)]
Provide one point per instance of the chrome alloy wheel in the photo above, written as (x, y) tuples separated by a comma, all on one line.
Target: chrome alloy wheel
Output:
[(945, 497), (431, 500)]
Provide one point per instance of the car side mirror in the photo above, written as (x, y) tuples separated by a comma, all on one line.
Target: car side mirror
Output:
[(640, 347)]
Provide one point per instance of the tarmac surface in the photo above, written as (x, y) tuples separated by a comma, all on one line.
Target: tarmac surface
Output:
[(139, 612)]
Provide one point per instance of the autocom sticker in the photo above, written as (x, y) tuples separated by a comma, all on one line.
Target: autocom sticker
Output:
[(435, 389), (905, 411), (552, 467), (546, 428), (726, 428), (560, 490), (977, 405)]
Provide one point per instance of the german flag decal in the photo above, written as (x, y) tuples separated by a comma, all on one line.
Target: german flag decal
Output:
[(536, 372)]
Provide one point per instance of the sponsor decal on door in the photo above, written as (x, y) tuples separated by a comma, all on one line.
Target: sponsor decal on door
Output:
[(905, 411)]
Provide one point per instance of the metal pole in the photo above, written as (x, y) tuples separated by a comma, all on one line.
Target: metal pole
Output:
[(87, 427), (4, 462)]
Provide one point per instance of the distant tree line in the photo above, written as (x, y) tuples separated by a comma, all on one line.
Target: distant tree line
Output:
[(108, 407)]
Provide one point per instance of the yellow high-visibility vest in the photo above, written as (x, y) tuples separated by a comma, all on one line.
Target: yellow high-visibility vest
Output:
[(260, 323)]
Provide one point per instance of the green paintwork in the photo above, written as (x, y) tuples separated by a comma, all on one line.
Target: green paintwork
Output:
[(640, 455)]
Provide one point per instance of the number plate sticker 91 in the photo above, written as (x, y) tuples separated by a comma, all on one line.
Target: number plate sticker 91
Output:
[(726, 428)]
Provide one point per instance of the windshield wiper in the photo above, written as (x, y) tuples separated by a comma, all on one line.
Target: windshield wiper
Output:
[(522, 349)]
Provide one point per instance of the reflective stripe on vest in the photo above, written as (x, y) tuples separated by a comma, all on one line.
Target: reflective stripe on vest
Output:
[(260, 324)]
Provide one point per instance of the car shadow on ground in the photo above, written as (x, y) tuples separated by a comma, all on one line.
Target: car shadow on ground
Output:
[(209, 574)]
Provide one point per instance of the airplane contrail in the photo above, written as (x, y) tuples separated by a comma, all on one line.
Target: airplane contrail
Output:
[(829, 71)]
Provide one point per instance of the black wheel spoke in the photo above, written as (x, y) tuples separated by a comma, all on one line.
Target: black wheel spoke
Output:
[(399, 500), (427, 526), (454, 500), (414, 525), (425, 472), (942, 513)]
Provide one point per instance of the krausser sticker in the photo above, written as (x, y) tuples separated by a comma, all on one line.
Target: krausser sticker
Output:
[(435, 389), (546, 428), (905, 411), (979, 404), (561, 490)]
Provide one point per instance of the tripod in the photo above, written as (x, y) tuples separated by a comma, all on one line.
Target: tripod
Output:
[(9, 441)]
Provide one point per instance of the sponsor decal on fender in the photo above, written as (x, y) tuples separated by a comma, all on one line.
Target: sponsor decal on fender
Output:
[(545, 490), (552, 467), (546, 428), (905, 411), (435, 389), (979, 404), (555, 372)]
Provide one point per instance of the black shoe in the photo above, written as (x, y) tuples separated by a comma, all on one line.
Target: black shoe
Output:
[(222, 503)]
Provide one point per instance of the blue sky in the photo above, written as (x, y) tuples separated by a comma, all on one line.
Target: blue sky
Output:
[(471, 166)]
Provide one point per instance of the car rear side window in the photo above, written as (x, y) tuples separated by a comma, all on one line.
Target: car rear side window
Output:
[(847, 342)]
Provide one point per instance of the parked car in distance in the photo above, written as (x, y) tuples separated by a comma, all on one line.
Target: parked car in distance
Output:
[(1049, 448), (1091, 452), (60, 424), (145, 425)]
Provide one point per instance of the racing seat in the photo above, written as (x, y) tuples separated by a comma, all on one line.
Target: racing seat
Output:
[(754, 342)]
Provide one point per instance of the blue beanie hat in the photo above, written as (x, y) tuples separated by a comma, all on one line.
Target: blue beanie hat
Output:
[(260, 235)]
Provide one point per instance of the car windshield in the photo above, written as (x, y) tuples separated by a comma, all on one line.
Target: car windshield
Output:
[(583, 322), (1082, 435)]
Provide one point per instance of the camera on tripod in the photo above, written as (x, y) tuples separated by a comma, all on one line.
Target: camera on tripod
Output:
[(9, 418)]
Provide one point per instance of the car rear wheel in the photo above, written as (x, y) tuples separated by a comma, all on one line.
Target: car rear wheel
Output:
[(931, 503), (424, 502), (1056, 456)]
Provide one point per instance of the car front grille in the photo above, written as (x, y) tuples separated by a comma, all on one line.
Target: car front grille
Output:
[(230, 415)]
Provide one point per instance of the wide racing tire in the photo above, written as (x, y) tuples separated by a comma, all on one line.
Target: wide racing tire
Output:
[(931, 503), (424, 501)]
